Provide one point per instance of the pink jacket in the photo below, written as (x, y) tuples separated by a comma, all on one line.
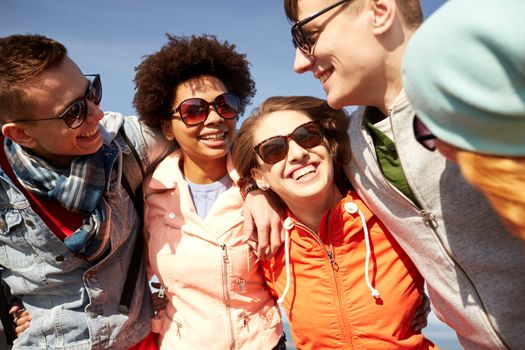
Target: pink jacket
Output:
[(215, 288)]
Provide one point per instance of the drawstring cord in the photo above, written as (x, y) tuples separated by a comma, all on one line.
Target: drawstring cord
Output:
[(352, 208), (287, 226)]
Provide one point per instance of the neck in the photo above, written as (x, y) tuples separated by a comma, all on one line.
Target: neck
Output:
[(395, 45), (310, 211), (204, 172)]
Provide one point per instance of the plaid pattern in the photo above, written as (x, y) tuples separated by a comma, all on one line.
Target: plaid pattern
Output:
[(79, 188)]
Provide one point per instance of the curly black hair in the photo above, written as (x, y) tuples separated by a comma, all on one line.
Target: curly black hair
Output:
[(180, 60)]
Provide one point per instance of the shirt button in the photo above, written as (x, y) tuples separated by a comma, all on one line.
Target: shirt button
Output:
[(59, 258), (172, 216)]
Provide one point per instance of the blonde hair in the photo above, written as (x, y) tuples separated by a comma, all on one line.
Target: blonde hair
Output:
[(502, 180)]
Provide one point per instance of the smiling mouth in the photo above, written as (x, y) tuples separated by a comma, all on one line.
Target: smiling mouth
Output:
[(213, 137), (88, 134), (324, 77), (298, 174)]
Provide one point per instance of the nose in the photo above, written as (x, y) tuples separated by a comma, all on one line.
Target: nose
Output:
[(94, 113), (296, 153), (302, 62), (213, 117)]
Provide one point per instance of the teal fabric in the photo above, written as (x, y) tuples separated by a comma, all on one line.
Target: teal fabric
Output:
[(389, 161), (464, 73)]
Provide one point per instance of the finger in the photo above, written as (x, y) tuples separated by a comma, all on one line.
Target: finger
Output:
[(419, 326), (252, 244), (20, 329), (14, 309), (248, 229), (263, 248), (425, 301), (22, 320), (419, 312), (275, 239)]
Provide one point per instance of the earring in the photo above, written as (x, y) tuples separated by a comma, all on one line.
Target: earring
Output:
[(264, 186)]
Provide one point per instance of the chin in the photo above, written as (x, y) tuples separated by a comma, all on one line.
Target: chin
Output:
[(335, 102)]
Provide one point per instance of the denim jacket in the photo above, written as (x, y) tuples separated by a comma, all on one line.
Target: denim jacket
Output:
[(74, 304)]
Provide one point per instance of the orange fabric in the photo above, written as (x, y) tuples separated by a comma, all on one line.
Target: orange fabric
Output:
[(329, 306), (148, 343)]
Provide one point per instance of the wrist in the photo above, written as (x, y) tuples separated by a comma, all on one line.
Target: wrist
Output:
[(248, 187)]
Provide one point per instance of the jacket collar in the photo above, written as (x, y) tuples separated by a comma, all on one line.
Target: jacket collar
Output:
[(168, 174)]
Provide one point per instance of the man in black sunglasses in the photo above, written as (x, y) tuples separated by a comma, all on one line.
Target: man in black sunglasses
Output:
[(70, 221), (471, 264)]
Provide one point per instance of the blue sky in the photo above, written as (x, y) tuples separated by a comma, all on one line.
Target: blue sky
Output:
[(110, 37)]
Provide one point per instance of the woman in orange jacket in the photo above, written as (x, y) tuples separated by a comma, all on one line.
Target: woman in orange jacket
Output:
[(343, 280)]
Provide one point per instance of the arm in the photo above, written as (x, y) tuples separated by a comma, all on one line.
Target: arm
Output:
[(263, 229)]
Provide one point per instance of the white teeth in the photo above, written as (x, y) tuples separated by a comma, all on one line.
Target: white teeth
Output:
[(303, 171), (324, 77), (88, 134), (214, 137)]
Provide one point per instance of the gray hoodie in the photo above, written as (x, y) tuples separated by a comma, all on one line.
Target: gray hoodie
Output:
[(474, 269)]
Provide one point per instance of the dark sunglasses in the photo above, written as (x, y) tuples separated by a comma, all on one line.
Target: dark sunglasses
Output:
[(301, 39), (195, 110), (423, 135), (76, 113), (275, 148)]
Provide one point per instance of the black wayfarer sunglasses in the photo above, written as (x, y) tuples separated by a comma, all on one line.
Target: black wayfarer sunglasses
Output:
[(301, 39), (275, 148), (76, 113)]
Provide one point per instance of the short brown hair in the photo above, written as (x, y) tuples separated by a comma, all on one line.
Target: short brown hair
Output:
[(334, 122), (180, 60), (410, 10), (23, 57)]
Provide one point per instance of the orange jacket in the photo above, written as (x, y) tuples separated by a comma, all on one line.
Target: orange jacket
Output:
[(329, 301)]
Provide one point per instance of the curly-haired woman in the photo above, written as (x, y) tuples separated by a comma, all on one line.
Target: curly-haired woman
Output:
[(194, 89)]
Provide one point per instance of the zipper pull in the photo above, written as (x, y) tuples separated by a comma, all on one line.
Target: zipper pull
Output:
[(331, 257), (224, 253), (161, 292), (333, 262), (429, 218), (244, 317), (179, 326), (242, 285)]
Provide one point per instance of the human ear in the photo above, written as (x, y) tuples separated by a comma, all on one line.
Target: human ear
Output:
[(260, 179), (19, 135), (167, 129), (384, 15)]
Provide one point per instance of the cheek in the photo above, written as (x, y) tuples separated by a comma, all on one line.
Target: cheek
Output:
[(277, 173), (448, 151)]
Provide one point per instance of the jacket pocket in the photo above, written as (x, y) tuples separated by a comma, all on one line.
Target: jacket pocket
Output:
[(12, 232), (268, 316)]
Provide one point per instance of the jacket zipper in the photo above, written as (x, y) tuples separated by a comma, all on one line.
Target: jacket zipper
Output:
[(335, 267), (429, 218), (226, 294)]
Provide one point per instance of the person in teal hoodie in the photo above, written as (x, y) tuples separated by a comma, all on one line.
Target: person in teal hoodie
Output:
[(465, 77)]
